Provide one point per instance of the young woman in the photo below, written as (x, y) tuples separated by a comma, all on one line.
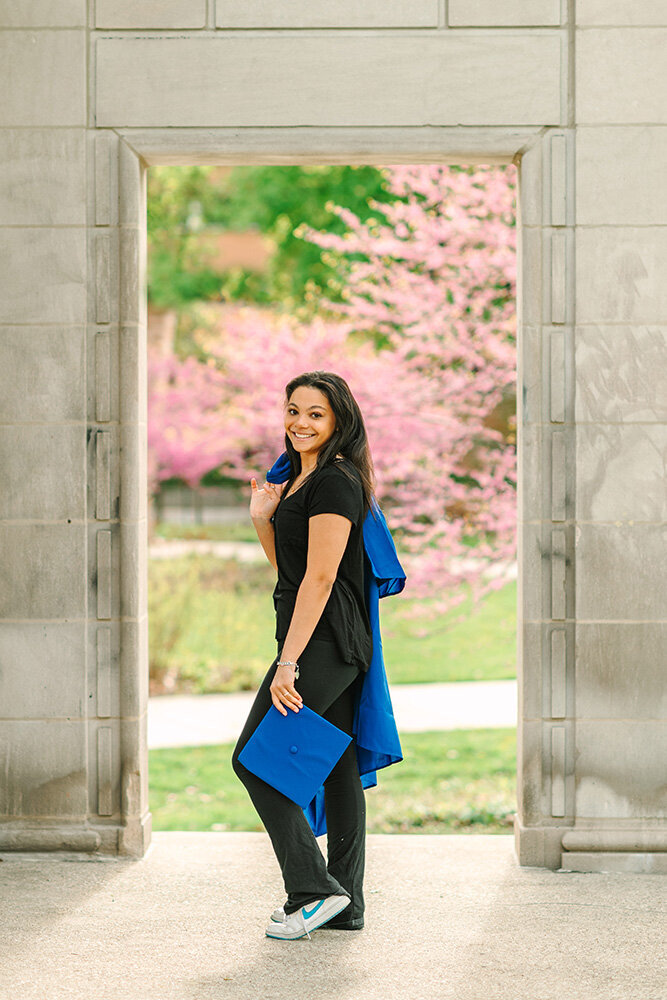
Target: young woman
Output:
[(311, 530)]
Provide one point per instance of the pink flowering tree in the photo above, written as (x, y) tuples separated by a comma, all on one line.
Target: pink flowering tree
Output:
[(435, 286), (225, 412), (259, 354), (186, 425), (425, 337)]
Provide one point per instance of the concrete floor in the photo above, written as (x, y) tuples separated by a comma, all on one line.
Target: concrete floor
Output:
[(446, 917)]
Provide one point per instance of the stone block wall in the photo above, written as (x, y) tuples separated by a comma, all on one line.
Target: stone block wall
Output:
[(94, 92)]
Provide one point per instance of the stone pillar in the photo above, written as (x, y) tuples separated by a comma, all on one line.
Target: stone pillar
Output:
[(47, 585), (593, 408), (621, 440), (545, 513), (73, 628), (117, 467)]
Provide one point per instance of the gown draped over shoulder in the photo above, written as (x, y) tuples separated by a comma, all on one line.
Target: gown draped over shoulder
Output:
[(375, 734)]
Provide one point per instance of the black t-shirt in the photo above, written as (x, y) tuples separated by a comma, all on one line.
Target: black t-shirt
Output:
[(344, 620)]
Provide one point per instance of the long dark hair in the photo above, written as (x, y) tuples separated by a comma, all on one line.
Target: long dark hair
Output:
[(349, 438)]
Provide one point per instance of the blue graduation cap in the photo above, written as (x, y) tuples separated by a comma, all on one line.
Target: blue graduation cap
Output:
[(294, 752), (374, 727)]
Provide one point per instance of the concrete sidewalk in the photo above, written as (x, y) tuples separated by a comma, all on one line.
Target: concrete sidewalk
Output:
[(252, 552), (447, 918), (201, 720)]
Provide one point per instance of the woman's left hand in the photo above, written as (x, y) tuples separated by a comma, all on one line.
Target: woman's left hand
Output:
[(283, 691)]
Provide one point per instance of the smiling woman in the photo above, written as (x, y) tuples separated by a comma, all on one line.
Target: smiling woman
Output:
[(311, 528), (309, 417)]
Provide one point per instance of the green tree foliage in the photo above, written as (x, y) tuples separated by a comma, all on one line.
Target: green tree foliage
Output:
[(275, 201)]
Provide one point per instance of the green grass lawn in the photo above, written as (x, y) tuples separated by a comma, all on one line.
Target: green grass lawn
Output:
[(480, 647), (461, 781), (243, 531), (212, 625)]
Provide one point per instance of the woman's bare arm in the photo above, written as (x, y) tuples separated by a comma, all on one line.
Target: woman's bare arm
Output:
[(327, 540), (267, 536), (263, 504)]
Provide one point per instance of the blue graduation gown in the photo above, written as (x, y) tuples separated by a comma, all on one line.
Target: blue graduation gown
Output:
[(374, 728)]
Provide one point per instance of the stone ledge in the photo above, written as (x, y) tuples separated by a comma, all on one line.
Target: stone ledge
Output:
[(623, 862), (63, 837)]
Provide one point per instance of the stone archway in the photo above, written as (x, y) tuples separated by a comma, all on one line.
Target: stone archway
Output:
[(409, 82)]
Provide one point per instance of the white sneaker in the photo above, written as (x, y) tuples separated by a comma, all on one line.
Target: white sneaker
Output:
[(307, 918), (279, 914)]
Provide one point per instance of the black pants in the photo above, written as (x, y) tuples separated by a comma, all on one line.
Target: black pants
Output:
[(327, 685)]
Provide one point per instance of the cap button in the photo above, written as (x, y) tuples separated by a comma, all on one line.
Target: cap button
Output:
[(293, 749)]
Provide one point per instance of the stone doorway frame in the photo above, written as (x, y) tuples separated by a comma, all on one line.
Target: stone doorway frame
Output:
[(545, 430)]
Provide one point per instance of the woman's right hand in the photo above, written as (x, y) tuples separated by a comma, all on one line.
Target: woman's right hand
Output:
[(283, 691), (264, 502)]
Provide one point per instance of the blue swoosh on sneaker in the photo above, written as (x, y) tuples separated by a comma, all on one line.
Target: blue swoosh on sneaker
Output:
[(314, 910)]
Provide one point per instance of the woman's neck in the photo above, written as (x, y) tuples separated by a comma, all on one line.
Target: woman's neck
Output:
[(307, 469)]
